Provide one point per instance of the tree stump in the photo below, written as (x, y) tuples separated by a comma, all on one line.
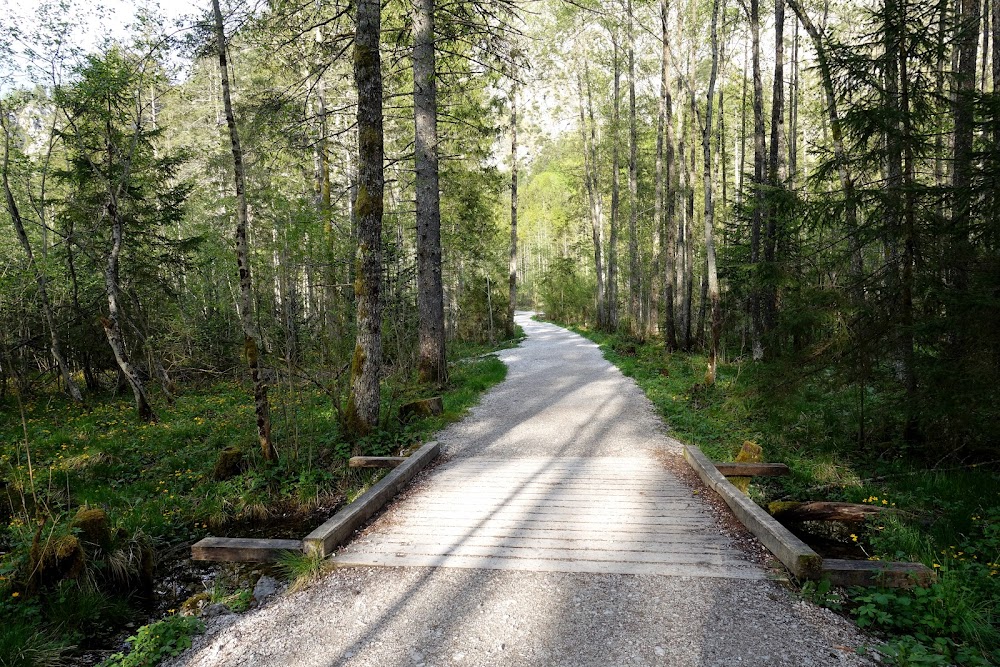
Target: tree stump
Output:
[(425, 407), (750, 452)]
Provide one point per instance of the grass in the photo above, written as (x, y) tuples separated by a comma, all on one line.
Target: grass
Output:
[(945, 517), (155, 485)]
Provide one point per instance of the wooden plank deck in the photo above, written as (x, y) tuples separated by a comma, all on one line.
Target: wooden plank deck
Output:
[(552, 514)]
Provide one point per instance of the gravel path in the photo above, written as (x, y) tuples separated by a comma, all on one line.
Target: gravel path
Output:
[(548, 437)]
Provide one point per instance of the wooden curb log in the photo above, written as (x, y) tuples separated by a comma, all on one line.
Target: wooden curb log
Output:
[(801, 560), (795, 554), (332, 533), (342, 525), (243, 550)]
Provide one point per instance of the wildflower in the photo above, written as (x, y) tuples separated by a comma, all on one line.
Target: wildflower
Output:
[(15, 594), (935, 565), (854, 537)]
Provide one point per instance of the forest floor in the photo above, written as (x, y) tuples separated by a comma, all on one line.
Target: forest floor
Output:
[(564, 417), (157, 488)]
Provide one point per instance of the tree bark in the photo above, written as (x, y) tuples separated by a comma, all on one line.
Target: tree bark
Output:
[(111, 323), (250, 337), (759, 157), (793, 114), (433, 363), (593, 197), (964, 158), (512, 278), (40, 279), (636, 325), (615, 189), (776, 170), (668, 189), (710, 262), (682, 302), (366, 365)]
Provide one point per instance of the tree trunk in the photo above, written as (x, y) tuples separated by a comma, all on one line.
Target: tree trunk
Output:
[(682, 303), (634, 283), (512, 266), (776, 170), (250, 337), (689, 233), (668, 188), (661, 268), (710, 262), (759, 156), (593, 197), (366, 365), (15, 215), (615, 188), (433, 364), (111, 323), (793, 114), (846, 180), (964, 158)]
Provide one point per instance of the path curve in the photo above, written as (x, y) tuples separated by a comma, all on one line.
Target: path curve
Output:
[(550, 536)]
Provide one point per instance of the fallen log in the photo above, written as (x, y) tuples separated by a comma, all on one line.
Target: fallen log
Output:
[(823, 511), (375, 461)]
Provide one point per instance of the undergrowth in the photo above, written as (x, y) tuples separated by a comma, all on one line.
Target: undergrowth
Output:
[(944, 515), (88, 498)]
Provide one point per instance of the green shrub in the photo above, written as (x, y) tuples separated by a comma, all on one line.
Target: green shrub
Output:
[(156, 641)]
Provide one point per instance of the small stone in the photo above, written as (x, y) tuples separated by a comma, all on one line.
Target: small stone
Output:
[(265, 588), (217, 609), (458, 656), (659, 650)]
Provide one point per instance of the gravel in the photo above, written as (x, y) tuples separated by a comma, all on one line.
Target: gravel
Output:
[(577, 405)]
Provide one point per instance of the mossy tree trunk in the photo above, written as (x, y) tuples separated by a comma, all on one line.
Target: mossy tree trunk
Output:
[(363, 402), (433, 365), (250, 344)]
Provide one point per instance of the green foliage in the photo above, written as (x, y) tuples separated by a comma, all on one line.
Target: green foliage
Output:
[(303, 568), (822, 593), (949, 519), (157, 641)]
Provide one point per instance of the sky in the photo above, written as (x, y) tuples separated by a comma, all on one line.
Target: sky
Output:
[(85, 24)]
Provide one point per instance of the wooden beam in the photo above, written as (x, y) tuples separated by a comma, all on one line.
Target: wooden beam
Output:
[(795, 554), (823, 511), (342, 525), (751, 469), (242, 550), (877, 573), (375, 461)]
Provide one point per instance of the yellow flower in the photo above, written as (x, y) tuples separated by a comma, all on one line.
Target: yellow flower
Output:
[(15, 594), (935, 565), (854, 537)]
